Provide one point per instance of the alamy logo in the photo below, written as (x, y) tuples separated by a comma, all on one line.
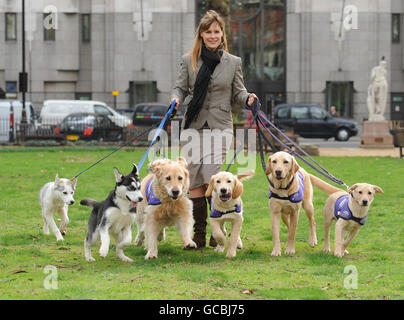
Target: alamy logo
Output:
[(351, 280), (350, 18), (51, 20), (51, 280)]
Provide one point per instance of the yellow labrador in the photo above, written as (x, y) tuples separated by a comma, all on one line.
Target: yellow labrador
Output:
[(290, 189), (165, 203), (226, 205), (350, 210)]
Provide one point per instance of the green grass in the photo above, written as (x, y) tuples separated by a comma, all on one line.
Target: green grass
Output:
[(376, 252)]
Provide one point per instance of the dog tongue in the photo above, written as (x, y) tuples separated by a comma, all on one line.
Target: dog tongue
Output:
[(134, 204)]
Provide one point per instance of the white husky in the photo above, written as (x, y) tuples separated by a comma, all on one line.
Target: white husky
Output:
[(56, 197)]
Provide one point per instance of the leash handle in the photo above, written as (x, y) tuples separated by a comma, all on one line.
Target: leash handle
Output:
[(156, 134)]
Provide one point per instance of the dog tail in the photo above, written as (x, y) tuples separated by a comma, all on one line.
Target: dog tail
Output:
[(323, 186), (89, 202)]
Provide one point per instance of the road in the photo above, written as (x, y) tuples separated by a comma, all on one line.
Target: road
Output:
[(353, 142)]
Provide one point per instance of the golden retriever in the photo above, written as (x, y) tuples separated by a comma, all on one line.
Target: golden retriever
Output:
[(165, 203), (350, 209), (226, 205), (290, 189)]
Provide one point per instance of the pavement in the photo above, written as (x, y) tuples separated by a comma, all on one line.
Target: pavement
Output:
[(350, 148)]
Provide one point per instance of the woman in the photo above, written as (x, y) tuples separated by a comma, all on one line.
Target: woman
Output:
[(213, 81)]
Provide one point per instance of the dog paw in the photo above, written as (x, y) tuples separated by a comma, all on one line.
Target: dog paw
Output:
[(219, 248), (276, 252), (290, 251), (59, 238), (230, 255), (126, 259), (313, 243), (150, 256), (103, 253), (191, 244), (90, 259), (338, 254), (327, 250)]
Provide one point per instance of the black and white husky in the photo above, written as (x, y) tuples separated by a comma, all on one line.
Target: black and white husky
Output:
[(56, 197), (115, 215)]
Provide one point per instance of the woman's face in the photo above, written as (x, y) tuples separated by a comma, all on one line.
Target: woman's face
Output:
[(213, 36)]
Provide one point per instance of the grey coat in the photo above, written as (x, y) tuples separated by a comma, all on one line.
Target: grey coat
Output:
[(226, 88)]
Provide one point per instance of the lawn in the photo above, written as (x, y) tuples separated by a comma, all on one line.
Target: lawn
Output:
[(25, 252)]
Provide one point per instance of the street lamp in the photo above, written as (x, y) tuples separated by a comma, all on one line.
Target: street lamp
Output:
[(23, 78)]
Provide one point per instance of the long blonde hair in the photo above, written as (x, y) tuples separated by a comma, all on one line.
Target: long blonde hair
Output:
[(210, 17)]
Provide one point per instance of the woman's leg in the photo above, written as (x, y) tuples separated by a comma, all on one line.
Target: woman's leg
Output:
[(200, 213)]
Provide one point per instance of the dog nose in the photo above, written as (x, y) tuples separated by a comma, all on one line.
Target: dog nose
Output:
[(365, 202), (278, 172), (72, 202), (223, 190), (176, 192), (140, 199)]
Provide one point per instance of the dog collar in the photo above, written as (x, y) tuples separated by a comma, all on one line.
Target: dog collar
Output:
[(286, 188), (214, 213), (294, 197), (341, 210)]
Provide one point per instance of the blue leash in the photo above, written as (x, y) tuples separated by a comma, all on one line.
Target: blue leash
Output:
[(156, 134)]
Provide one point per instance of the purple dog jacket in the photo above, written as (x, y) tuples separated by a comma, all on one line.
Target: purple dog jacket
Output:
[(295, 197), (150, 196), (341, 210)]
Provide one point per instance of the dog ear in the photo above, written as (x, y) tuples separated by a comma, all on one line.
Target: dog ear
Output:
[(183, 162), (377, 189), (155, 166), (118, 176), (352, 188), (57, 178), (245, 175), (134, 170), (209, 190), (74, 181), (238, 189), (295, 165), (268, 170)]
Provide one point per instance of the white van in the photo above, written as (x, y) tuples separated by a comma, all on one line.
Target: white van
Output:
[(12, 110), (54, 111)]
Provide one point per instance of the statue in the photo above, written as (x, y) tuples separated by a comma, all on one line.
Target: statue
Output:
[(377, 92)]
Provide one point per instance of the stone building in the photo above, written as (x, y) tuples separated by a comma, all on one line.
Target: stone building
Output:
[(295, 51)]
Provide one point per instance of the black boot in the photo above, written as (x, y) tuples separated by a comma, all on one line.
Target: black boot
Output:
[(200, 213)]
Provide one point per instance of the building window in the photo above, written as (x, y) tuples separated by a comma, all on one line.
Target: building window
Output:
[(11, 26), (142, 92), (85, 27), (49, 32), (395, 27), (11, 89)]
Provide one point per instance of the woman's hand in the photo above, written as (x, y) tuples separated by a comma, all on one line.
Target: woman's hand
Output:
[(251, 98), (177, 102)]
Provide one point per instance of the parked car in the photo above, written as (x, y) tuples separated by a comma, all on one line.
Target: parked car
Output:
[(313, 121), (127, 113), (89, 126), (148, 114), (54, 111), (10, 120)]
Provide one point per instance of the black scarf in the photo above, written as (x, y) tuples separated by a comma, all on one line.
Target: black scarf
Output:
[(210, 60)]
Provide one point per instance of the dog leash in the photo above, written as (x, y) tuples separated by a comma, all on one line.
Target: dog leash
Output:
[(311, 162), (156, 134), (169, 113)]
